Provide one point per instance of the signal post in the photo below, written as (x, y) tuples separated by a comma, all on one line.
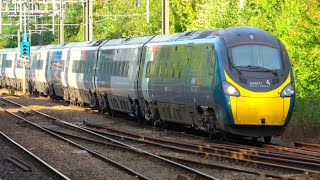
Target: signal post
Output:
[(24, 57)]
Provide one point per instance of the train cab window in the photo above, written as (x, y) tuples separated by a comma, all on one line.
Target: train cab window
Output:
[(256, 55)]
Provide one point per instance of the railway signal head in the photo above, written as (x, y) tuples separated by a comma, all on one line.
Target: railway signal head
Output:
[(25, 49)]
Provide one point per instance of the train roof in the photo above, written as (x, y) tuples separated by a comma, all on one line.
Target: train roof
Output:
[(128, 41), (66, 45), (201, 34), (46, 47), (247, 34), (11, 50), (33, 48), (95, 43)]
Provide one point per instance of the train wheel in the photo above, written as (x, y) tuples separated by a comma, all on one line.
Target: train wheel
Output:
[(267, 139), (94, 102)]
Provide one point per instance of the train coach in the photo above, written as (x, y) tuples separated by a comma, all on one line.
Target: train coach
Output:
[(236, 80)]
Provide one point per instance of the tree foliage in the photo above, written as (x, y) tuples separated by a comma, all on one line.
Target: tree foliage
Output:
[(295, 22)]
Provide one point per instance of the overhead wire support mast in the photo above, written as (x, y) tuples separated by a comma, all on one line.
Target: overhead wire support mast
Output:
[(165, 16)]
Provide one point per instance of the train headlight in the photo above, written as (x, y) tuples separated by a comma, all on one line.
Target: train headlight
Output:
[(288, 91), (230, 89)]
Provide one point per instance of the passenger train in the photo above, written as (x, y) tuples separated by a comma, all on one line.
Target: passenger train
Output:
[(236, 80)]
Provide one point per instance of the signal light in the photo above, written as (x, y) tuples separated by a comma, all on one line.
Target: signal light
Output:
[(25, 49)]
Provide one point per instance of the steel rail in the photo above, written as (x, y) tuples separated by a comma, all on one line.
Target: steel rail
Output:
[(262, 174), (140, 176), (112, 140), (303, 151), (202, 147), (308, 146), (174, 158), (222, 154), (46, 165)]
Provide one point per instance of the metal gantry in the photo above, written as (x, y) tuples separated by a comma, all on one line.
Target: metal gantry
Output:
[(21, 12)]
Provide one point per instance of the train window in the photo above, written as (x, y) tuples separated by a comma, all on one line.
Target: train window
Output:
[(125, 69), (164, 70), (91, 55), (179, 68), (82, 67), (75, 66), (19, 64), (90, 67), (105, 66), (100, 68), (109, 68), (118, 68), (39, 64), (7, 63), (121, 68), (113, 68), (256, 55), (148, 71), (161, 72), (155, 69), (170, 69), (107, 55)]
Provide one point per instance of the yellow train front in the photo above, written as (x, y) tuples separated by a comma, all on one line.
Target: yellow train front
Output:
[(257, 94)]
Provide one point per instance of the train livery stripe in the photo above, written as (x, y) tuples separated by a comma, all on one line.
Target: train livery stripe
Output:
[(259, 108)]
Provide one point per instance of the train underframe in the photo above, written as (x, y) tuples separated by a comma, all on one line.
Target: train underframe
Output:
[(195, 116)]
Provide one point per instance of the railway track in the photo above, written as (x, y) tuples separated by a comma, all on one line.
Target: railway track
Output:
[(171, 166), (26, 164), (239, 157), (74, 162), (305, 164), (309, 146)]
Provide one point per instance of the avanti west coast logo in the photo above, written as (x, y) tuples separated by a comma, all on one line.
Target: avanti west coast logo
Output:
[(261, 84)]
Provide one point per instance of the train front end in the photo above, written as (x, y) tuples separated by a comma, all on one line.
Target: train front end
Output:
[(257, 82)]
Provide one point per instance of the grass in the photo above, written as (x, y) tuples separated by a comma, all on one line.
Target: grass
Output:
[(305, 121)]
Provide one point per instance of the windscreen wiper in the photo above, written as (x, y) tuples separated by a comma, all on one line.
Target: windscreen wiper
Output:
[(233, 66), (264, 69), (236, 68)]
